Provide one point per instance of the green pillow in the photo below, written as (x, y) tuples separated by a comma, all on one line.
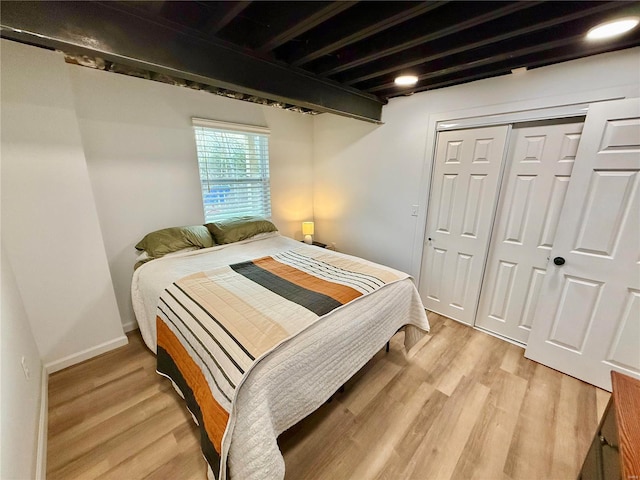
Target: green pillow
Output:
[(239, 228), (168, 240)]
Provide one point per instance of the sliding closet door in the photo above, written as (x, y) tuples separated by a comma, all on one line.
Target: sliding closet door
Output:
[(464, 192), (535, 182), (588, 319)]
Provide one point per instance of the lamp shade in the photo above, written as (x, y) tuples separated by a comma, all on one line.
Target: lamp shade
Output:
[(307, 228)]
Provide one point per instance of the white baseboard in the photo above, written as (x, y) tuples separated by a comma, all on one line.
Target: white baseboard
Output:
[(129, 326), (43, 422), (86, 354), (41, 457)]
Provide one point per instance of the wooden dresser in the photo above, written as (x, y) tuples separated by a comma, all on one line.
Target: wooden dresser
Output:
[(615, 451)]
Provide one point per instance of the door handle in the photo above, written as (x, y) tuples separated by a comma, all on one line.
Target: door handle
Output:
[(605, 443), (558, 261)]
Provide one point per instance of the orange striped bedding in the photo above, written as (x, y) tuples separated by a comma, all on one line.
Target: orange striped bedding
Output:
[(213, 327)]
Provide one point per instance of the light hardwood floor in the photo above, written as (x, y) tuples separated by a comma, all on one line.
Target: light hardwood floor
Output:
[(466, 405)]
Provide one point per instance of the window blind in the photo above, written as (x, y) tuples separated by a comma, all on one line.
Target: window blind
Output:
[(234, 170)]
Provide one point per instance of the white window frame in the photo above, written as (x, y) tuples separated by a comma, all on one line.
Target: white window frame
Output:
[(234, 194)]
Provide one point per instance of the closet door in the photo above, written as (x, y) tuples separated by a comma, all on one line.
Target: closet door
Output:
[(464, 192), (535, 182), (588, 319)]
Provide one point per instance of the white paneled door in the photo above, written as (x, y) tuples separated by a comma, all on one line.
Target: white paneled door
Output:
[(588, 319), (463, 198), (535, 182)]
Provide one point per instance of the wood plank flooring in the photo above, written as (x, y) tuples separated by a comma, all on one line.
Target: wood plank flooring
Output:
[(466, 405)]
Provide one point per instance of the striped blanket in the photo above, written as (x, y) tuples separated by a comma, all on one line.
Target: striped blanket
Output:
[(214, 327)]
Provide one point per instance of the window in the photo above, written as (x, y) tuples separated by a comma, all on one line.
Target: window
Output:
[(234, 169)]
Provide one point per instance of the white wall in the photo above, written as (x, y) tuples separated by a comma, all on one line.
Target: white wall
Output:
[(19, 397), (366, 177), (357, 180), (140, 151), (50, 228)]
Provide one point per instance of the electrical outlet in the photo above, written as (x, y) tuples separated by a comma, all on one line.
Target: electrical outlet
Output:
[(414, 210), (25, 367)]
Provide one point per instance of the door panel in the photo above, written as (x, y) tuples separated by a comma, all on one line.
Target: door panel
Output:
[(519, 208), (552, 216), (473, 210), (436, 270), (536, 177), (533, 293), (465, 182), (446, 204), (502, 290), (578, 300), (600, 227), (624, 348), (589, 321), (464, 265)]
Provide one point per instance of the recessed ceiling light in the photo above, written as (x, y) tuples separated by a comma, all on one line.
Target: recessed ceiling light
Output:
[(613, 28), (405, 80)]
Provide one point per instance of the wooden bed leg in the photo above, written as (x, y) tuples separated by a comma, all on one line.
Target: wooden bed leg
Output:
[(387, 347)]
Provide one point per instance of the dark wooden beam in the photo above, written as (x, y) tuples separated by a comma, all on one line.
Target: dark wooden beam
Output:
[(97, 29), (489, 60), (586, 11), (419, 9), (379, 53), (548, 60), (322, 15), (154, 7), (235, 8)]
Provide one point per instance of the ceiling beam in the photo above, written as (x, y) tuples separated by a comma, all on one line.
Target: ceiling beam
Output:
[(488, 41), (488, 60), (368, 31), (548, 60), (97, 29), (154, 7), (383, 52), (512, 55), (322, 15), (235, 9)]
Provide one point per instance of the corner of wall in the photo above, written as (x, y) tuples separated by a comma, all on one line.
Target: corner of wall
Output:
[(129, 326), (71, 305), (86, 354), (43, 422)]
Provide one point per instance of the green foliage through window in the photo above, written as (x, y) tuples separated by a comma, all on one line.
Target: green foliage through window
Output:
[(234, 173)]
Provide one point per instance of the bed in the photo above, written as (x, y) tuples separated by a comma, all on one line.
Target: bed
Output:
[(282, 375)]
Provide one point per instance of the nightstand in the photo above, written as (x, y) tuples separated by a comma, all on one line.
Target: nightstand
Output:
[(317, 244)]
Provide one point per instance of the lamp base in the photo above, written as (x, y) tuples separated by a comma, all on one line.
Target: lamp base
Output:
[(308, 239)]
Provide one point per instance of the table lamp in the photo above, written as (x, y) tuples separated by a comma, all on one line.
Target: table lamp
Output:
[(307, 231)]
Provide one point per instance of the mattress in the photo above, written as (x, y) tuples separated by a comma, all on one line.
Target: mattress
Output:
[(298, 375)]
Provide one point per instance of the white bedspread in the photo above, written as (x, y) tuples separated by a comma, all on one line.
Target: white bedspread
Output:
[(150, 279), (300, 374)]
